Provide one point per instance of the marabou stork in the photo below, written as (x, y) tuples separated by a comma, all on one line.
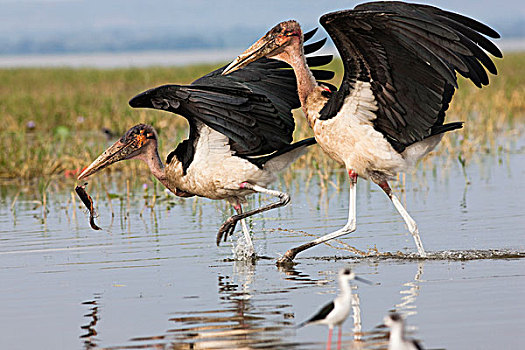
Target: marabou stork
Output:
[(397, 339), (241, 127), (335, 312), (400, 62)]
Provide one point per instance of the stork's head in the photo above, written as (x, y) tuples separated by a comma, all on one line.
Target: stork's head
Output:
[(272, 45), (137, 143)]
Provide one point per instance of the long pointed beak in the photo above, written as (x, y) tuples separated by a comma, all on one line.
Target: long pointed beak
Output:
[(261, 48), (118, 151), (360, 279)]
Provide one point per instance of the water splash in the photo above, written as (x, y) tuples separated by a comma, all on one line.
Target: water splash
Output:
[(242, 250)]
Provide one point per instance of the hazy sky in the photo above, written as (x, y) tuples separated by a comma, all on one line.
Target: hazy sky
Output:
[(27, 16)]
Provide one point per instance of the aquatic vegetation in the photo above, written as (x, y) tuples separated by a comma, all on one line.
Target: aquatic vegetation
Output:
[(57, 120)]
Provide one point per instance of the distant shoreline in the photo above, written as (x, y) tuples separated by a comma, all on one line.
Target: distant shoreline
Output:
[(107, 60), (119, 59)]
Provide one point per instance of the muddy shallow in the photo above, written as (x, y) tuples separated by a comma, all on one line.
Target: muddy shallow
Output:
[(155, 279)]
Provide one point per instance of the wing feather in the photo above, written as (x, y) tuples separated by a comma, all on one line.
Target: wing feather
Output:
[(410, 54), (252, 106)]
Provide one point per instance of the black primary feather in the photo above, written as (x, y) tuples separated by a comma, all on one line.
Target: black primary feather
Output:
[(410, 54), (251, 106)]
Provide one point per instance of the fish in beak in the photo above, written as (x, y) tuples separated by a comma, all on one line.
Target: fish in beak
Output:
[(269, 45), (126, 148)]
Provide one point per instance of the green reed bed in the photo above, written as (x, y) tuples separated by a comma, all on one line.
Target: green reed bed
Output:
[(53, 118)]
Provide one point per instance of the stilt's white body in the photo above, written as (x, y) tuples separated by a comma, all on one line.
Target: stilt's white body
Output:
[(336, 312), (397, 339), (342, 307)]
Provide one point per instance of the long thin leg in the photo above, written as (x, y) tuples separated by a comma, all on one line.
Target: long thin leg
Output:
[(339, 338), (348, 228), (411, 224), (229, 225), (329, 342), (245, 230)]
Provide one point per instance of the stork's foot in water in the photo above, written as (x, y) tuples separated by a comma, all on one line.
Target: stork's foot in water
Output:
[(287, 258), (226, 229)]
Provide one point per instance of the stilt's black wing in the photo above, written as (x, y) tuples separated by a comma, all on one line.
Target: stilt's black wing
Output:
[(252, 106), (410, 54), (416, 344), (321, 315)]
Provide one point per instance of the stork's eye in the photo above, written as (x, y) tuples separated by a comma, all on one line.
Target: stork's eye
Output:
[(140, 138)]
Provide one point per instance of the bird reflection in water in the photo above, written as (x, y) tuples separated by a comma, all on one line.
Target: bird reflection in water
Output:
[(378, 338), (250, 318), (240, 324), (89, 338)]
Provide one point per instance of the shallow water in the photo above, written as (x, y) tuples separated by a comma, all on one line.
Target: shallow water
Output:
[(155, 279)]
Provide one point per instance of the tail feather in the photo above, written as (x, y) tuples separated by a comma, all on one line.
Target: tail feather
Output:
[(302, 324), (283, 158), (439, 129)]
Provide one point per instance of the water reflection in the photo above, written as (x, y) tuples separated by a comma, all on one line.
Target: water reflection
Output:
[(250, 318), (377, 338), (89, 337), (238, 324), (256, 306)]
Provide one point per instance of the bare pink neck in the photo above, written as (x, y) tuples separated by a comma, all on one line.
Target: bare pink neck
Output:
[(152, 159), (306, 83)]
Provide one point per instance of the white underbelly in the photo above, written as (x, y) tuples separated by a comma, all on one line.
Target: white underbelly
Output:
[(359, 147), (220, 179), (350, 138)]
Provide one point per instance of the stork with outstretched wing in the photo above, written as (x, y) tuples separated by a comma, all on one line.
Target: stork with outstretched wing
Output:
[(240, 135), (400, 62)]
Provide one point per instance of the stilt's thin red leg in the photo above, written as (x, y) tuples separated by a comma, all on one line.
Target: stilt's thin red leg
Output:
[(329, 343), (339, 338)]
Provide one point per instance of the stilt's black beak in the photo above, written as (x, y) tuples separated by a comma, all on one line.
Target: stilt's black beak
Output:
[(360, 279)]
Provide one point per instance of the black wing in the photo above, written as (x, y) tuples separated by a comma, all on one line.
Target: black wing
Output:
[(321, 315), (270, 78), (247, 119), (416, 344), (410, 54), (252, 106)]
